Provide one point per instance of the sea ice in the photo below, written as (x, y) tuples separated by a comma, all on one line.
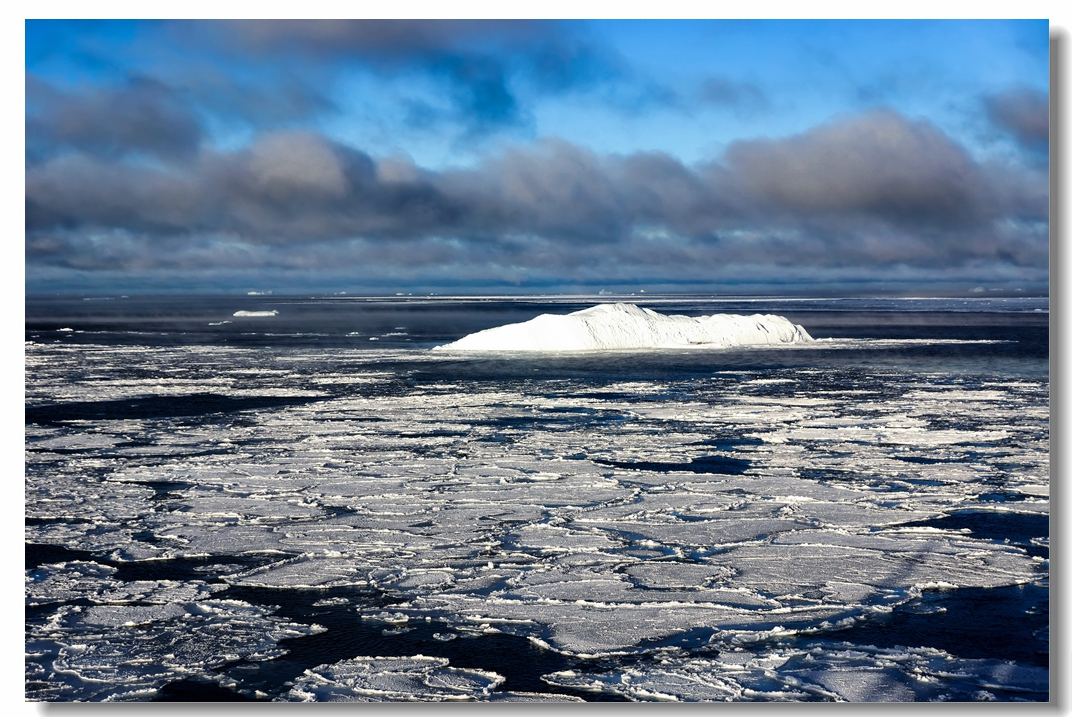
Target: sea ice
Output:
[(578, 514), (113, 648), (827, 671), (410, 679)]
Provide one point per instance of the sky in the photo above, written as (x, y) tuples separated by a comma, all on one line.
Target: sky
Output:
[(477, 157)]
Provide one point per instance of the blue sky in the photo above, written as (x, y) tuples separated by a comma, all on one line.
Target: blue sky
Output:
[(729, 156)]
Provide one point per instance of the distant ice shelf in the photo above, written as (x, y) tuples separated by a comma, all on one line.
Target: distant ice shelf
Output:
[(627, 326)]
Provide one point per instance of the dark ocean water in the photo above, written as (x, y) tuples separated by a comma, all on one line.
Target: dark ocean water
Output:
[(173, 447), (408, 322)]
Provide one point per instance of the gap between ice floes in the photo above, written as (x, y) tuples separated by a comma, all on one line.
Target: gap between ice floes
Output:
[(627, 326)]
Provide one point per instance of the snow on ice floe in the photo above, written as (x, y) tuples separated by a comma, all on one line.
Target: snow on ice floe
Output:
[(249, 314), (627, 326)]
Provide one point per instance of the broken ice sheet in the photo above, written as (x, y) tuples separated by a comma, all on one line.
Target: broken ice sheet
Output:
[(63, 582), (590, 628), (837, 672), (77, 535), (672, 574), (418, 678), (107, 651), (798, 561), (305, 572), (80, 580), (488, 507)]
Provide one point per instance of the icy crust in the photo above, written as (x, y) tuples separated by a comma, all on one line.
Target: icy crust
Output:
[(590, 611), (627, 326), (81, 580), (405, 679), (592, 518), (134, 637), (839, 672), (413, 679)]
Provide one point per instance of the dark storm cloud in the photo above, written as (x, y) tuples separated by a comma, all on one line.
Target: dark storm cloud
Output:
[(287, 187), (464, 79), (878, 164), (85, 193), (1024, 113), (480, 63), (142, 115), (874, 190)]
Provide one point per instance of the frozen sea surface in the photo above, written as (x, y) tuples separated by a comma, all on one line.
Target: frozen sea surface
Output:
[(264, 510)]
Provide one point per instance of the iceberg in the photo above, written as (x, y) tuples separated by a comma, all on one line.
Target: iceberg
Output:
[(627, 326), (273, 312)]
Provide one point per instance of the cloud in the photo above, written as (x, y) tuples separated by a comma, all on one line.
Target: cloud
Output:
[(743, 97), (141, 115), (478, 88), (1024, 113), (457, 53), (878, 164), (380, 40), (482, 65), (284, 165), (463, 80), (869, 192)]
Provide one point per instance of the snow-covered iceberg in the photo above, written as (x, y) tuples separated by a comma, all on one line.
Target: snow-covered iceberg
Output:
[(627, 326), (273, 312)]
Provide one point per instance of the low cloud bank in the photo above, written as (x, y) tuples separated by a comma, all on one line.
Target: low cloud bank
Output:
[(869, 193)]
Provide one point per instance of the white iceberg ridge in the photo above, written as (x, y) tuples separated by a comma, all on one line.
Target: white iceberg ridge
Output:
[(627, 326), (273, 312)]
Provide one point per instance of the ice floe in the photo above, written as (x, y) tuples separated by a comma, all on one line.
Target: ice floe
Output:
[(411, 679), (831, 671)]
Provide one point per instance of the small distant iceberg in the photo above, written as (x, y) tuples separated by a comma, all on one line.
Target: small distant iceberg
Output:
[(273, 312), (627, 326)]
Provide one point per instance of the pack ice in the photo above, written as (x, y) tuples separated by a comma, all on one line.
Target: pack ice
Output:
[(661, 532), (627, 326)]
